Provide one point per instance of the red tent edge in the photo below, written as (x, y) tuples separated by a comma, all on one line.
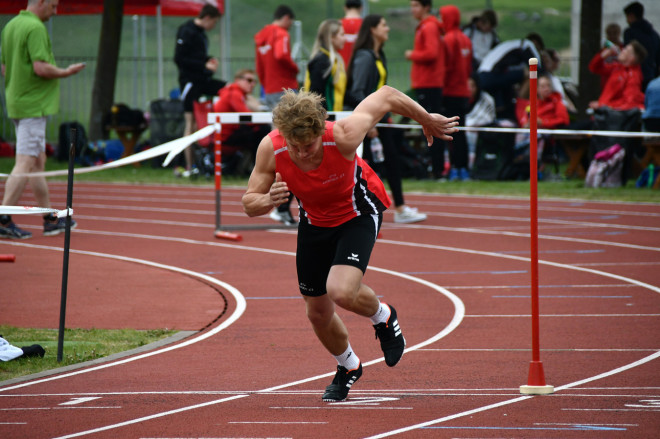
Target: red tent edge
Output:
[(183, 8)]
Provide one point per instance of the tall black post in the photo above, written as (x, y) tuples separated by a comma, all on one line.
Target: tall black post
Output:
[(67, 241), (590, 37)]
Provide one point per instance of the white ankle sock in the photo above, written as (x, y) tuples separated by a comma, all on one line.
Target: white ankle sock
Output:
[(348, 359), (381, 315)]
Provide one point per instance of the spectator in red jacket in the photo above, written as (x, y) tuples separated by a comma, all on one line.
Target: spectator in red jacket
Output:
[(623, 89), (276, 69), (239, 141), (427, 75), (550, 110), (551, 113), (351, 23), (234, 98), (456, 97), (277, 72)]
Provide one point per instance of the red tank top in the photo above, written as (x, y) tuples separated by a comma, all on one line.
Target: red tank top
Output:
[(335, 192)]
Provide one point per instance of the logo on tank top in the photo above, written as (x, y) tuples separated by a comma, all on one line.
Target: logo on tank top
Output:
[(333, 177)]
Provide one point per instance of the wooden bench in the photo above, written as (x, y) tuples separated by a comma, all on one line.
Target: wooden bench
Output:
[(128, 135), (576, 147)]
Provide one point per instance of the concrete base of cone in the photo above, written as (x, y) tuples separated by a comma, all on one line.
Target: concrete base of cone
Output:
[(537, 390)]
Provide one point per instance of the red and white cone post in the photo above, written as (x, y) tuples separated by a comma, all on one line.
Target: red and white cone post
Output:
[(217, 144), (536, 381)]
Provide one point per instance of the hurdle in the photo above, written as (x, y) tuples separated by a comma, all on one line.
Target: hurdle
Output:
[(536, 384), (217, 120)]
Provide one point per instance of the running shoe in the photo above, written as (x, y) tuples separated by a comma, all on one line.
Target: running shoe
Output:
[(284, 217), (391, 339), (341, 384), (408, 215), (464, 174), (12, 231), (52, 228)]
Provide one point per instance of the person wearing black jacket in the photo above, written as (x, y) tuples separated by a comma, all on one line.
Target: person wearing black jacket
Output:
[(367, 73), (196, 67), (326, 73), (641, 30)]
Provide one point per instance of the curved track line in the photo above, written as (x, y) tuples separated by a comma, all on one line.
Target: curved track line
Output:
[(459, 313), (526, 235), (150, 417), (459, 307), (524, 259), (542, 221), (240, 309), (513, 401), (455, 321)]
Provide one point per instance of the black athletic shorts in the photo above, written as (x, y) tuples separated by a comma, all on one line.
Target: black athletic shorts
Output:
[(319, 248), (191, 91)]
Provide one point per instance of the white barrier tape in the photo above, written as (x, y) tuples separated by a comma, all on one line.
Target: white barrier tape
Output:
[(176, 148), (266, 118), (173, 145), (28, 210)]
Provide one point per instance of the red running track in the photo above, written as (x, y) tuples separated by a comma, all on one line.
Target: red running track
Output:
[(145, 257)]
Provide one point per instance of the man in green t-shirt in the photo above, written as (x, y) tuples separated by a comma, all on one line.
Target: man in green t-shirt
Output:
[(33, 92)]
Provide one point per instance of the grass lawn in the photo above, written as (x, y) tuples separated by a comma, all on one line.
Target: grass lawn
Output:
[(79, 345)]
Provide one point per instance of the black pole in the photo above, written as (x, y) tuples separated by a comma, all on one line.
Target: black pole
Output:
[(67, 241)]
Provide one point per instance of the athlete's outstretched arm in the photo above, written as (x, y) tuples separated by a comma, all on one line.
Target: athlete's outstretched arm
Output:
[(350, 131), (265, 188)]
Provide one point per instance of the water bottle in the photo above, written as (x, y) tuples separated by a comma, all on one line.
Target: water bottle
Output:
[(377, 150), (611, 45)]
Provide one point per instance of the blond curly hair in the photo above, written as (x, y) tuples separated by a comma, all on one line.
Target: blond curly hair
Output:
[(300, 116)]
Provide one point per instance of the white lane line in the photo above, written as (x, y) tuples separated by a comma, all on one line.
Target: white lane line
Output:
[(315, 392), (459, 312), (544, 205), (514, 400), (277, 422), (542, 221), (542, 350), (504, 287), (614, 264), (150, 417), (613, 410), (240, 309), (525, 207), (336, 407), (634, 364), (75, 401), (508, 316), (571, 239), (527, 260)]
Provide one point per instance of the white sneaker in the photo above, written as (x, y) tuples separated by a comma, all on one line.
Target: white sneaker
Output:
[(284, 217), (409, 215)]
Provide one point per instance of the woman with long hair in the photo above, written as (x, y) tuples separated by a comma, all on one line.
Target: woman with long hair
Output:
[(326, 73), (367, 73)]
